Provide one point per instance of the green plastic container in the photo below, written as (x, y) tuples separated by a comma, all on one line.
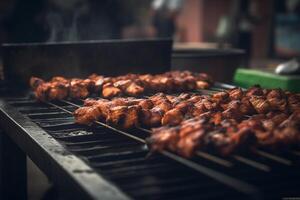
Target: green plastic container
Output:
[(248, 77)]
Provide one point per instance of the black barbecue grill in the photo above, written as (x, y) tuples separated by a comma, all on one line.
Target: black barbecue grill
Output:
[(103, 162)]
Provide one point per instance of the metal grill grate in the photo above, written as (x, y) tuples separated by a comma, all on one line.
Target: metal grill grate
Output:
[(124, 159)]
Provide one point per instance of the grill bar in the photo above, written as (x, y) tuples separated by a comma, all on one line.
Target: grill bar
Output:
[(252, 163), (273, 157), (232, 182), (215, 159)]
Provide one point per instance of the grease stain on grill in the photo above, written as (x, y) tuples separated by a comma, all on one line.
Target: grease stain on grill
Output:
[(80, 132), (61, 152)]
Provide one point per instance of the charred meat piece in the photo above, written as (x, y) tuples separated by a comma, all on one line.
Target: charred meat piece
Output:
[(134, 89), (52, 91), (164, 138), (294, 102), (172, 117), (59, 79), (123, 116), (152, 117), (146, 104), (220, 97), (110, 91), (225, 122), (260, 104), (227, 143), (58, 91), (190, 139), (87, 115), (277, 100), (57, 88), (97, 82), (254, 91), (233, 110), (117, 112), (79, 89), (129, 84), (236, 93), (35, 82)]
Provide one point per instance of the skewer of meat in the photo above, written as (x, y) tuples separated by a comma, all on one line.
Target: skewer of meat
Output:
[(128, 85), (224, 122)]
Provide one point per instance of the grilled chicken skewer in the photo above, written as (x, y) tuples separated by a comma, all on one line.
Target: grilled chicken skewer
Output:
[(127, 85), (225, 121), (273, 122), (161, 109), (228, 137)]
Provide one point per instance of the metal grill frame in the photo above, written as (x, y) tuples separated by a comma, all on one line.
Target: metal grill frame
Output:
[(79, 180), (56, 161)]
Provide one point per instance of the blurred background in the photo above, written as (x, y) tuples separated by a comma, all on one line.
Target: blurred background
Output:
[(268, 31), (263, 28)]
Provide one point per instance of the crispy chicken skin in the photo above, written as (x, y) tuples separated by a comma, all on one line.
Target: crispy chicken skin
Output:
[(87, 115), (60, 88), (134, 89), (110, 91), (260, 104), (121, 112), (79, 89), (172, 117), (151, 117), (97, 82), (123, 116), (51, 91)]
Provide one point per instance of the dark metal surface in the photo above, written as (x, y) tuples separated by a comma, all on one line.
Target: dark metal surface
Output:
[(13, 170), (204, 53), (80, 59), (69, 173)]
